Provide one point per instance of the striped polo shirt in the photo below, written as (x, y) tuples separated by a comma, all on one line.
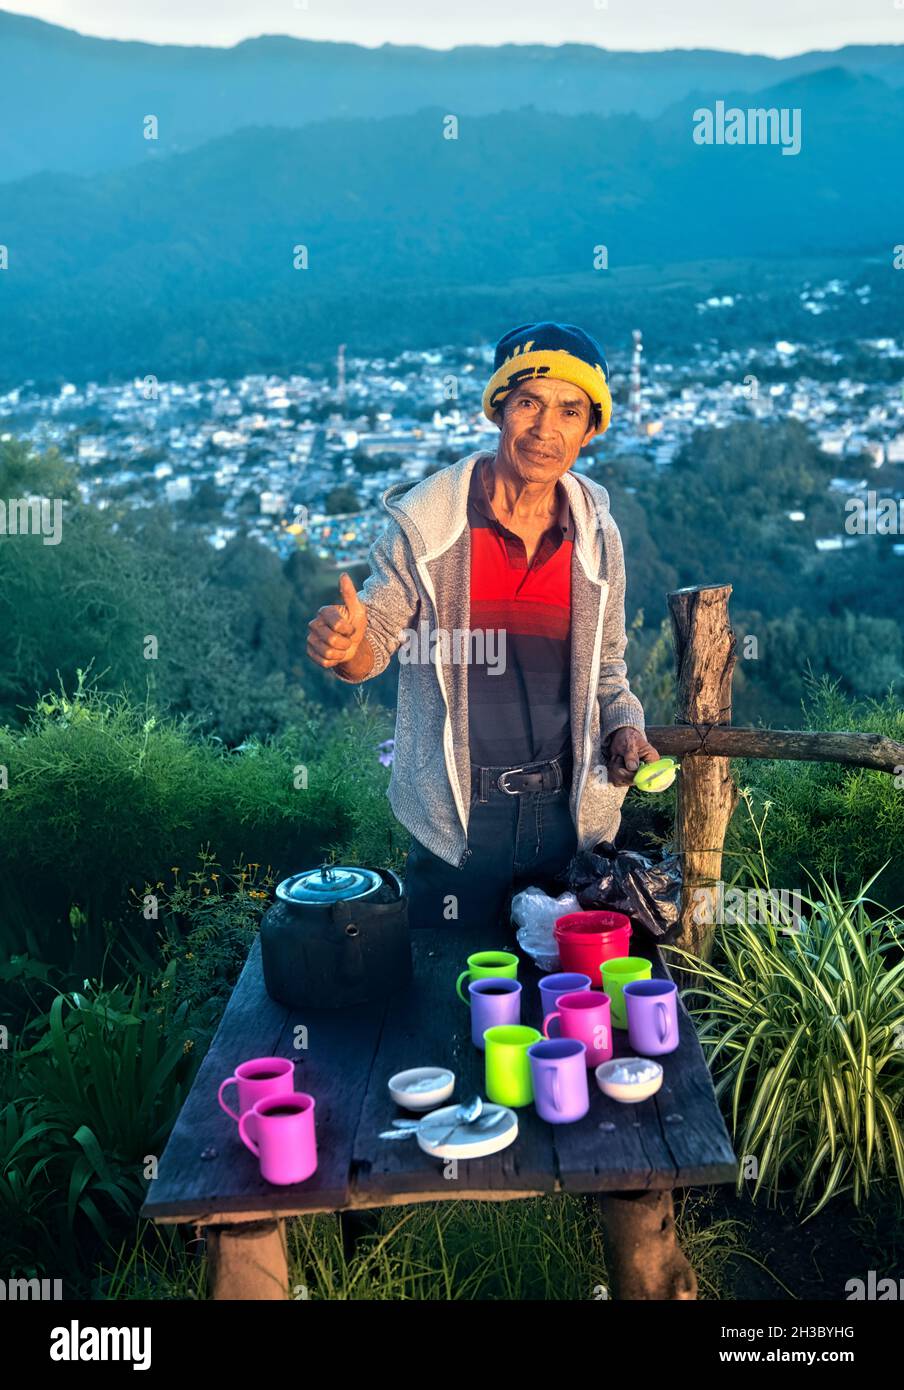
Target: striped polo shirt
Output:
[(519, 695)]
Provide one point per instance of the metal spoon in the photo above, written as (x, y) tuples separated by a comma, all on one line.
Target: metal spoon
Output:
[(407, 1129), (467, 1113), (401, 1129)]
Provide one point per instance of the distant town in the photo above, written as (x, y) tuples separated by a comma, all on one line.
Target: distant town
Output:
[(303, 461)]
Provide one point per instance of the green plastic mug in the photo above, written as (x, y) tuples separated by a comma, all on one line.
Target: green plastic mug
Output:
[(617, 973), (508, 1065), (485, 964)]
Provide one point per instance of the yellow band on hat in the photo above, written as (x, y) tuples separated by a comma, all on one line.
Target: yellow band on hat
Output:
[(556, 363)]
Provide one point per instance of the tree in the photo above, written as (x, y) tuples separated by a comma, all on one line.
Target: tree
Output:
[(342, 499)]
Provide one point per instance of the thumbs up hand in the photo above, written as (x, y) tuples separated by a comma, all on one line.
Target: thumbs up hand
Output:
[(338, 630)]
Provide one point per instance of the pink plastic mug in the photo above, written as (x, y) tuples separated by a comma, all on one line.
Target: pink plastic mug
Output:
[(584, 1016), (282, 1137), (265, 1076)]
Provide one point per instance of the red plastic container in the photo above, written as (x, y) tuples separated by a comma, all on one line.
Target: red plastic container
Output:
[(586, 939)]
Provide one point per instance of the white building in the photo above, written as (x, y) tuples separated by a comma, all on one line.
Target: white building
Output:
[(177, 489), (91, 449)]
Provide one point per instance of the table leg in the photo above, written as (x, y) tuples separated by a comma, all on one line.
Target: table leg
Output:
[(248, 1261), (643, 1256)]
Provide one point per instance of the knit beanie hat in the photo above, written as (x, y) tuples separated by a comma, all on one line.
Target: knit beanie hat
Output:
[(557, 350)]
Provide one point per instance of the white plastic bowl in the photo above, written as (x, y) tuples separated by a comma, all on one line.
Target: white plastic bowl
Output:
[(424, 1098), (628, 1092)]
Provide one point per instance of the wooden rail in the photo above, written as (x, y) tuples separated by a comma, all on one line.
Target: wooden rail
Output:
[(792, 745)]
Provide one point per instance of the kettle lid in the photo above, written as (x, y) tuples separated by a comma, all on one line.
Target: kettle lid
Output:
[(329, 884)]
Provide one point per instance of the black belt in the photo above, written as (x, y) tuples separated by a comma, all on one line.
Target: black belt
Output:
[(519, 781)]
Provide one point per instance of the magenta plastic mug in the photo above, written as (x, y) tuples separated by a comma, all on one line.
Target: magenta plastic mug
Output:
[(265, 1076), (652, 1009), (585, 1016), (558, 1069), (279, 1130), (495, 1001)]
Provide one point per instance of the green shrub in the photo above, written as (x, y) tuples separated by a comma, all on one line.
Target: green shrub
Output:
[(208, 921), (804, 1031), (840, 822), (104, 797), (226, 622), (97, 1093), (28, 1199)]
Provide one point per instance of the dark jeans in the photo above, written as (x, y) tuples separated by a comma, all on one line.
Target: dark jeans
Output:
[(515, 842)]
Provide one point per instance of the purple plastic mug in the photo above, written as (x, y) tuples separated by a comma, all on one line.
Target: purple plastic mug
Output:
[(495, 1001), (554, 986), (652, 1009), (558, 1068)]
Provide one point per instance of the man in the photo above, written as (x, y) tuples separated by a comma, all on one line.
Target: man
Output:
[(508, 761)]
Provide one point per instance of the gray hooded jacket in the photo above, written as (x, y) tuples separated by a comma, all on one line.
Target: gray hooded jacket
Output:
[(420, 572)]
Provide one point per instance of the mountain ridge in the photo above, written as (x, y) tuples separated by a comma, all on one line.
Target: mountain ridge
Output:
[(96, 92)]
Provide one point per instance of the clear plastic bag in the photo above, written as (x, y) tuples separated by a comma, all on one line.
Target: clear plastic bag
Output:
[(535, 914)]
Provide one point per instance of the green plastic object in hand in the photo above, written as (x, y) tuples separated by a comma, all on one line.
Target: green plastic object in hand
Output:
[(656, 777)]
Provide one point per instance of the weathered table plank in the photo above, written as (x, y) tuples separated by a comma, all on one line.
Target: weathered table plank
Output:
[(334, 1068), (430, 1026), (677, 1138), (349, 1058), (616, 1147)]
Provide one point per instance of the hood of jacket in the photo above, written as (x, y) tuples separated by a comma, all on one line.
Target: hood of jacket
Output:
[(434, 512)]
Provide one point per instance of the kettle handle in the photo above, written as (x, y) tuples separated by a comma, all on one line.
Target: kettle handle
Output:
[(395, 880)]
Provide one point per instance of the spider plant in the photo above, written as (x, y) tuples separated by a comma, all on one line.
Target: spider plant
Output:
[(804, 1033)]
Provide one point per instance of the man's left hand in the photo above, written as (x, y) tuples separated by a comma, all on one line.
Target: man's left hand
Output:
[(628, 748)]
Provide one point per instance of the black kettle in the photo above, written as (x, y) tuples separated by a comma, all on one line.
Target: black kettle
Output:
[(335, 937)]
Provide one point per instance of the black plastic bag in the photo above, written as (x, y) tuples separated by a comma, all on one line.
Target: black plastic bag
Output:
[(646, 889)]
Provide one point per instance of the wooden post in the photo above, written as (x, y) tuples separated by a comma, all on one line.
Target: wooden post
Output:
[(643, 1257), (707, 795), (248, 1261)]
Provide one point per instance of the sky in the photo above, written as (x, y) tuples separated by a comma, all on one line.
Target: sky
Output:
[(777, 27)]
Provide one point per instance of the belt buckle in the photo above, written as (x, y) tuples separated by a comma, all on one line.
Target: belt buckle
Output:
[(509, 771)]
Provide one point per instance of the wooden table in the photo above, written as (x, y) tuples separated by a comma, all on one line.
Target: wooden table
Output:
[(344, 1059)]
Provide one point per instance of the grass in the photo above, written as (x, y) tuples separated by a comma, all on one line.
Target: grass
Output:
[(159, 1264), (535, 1249)]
